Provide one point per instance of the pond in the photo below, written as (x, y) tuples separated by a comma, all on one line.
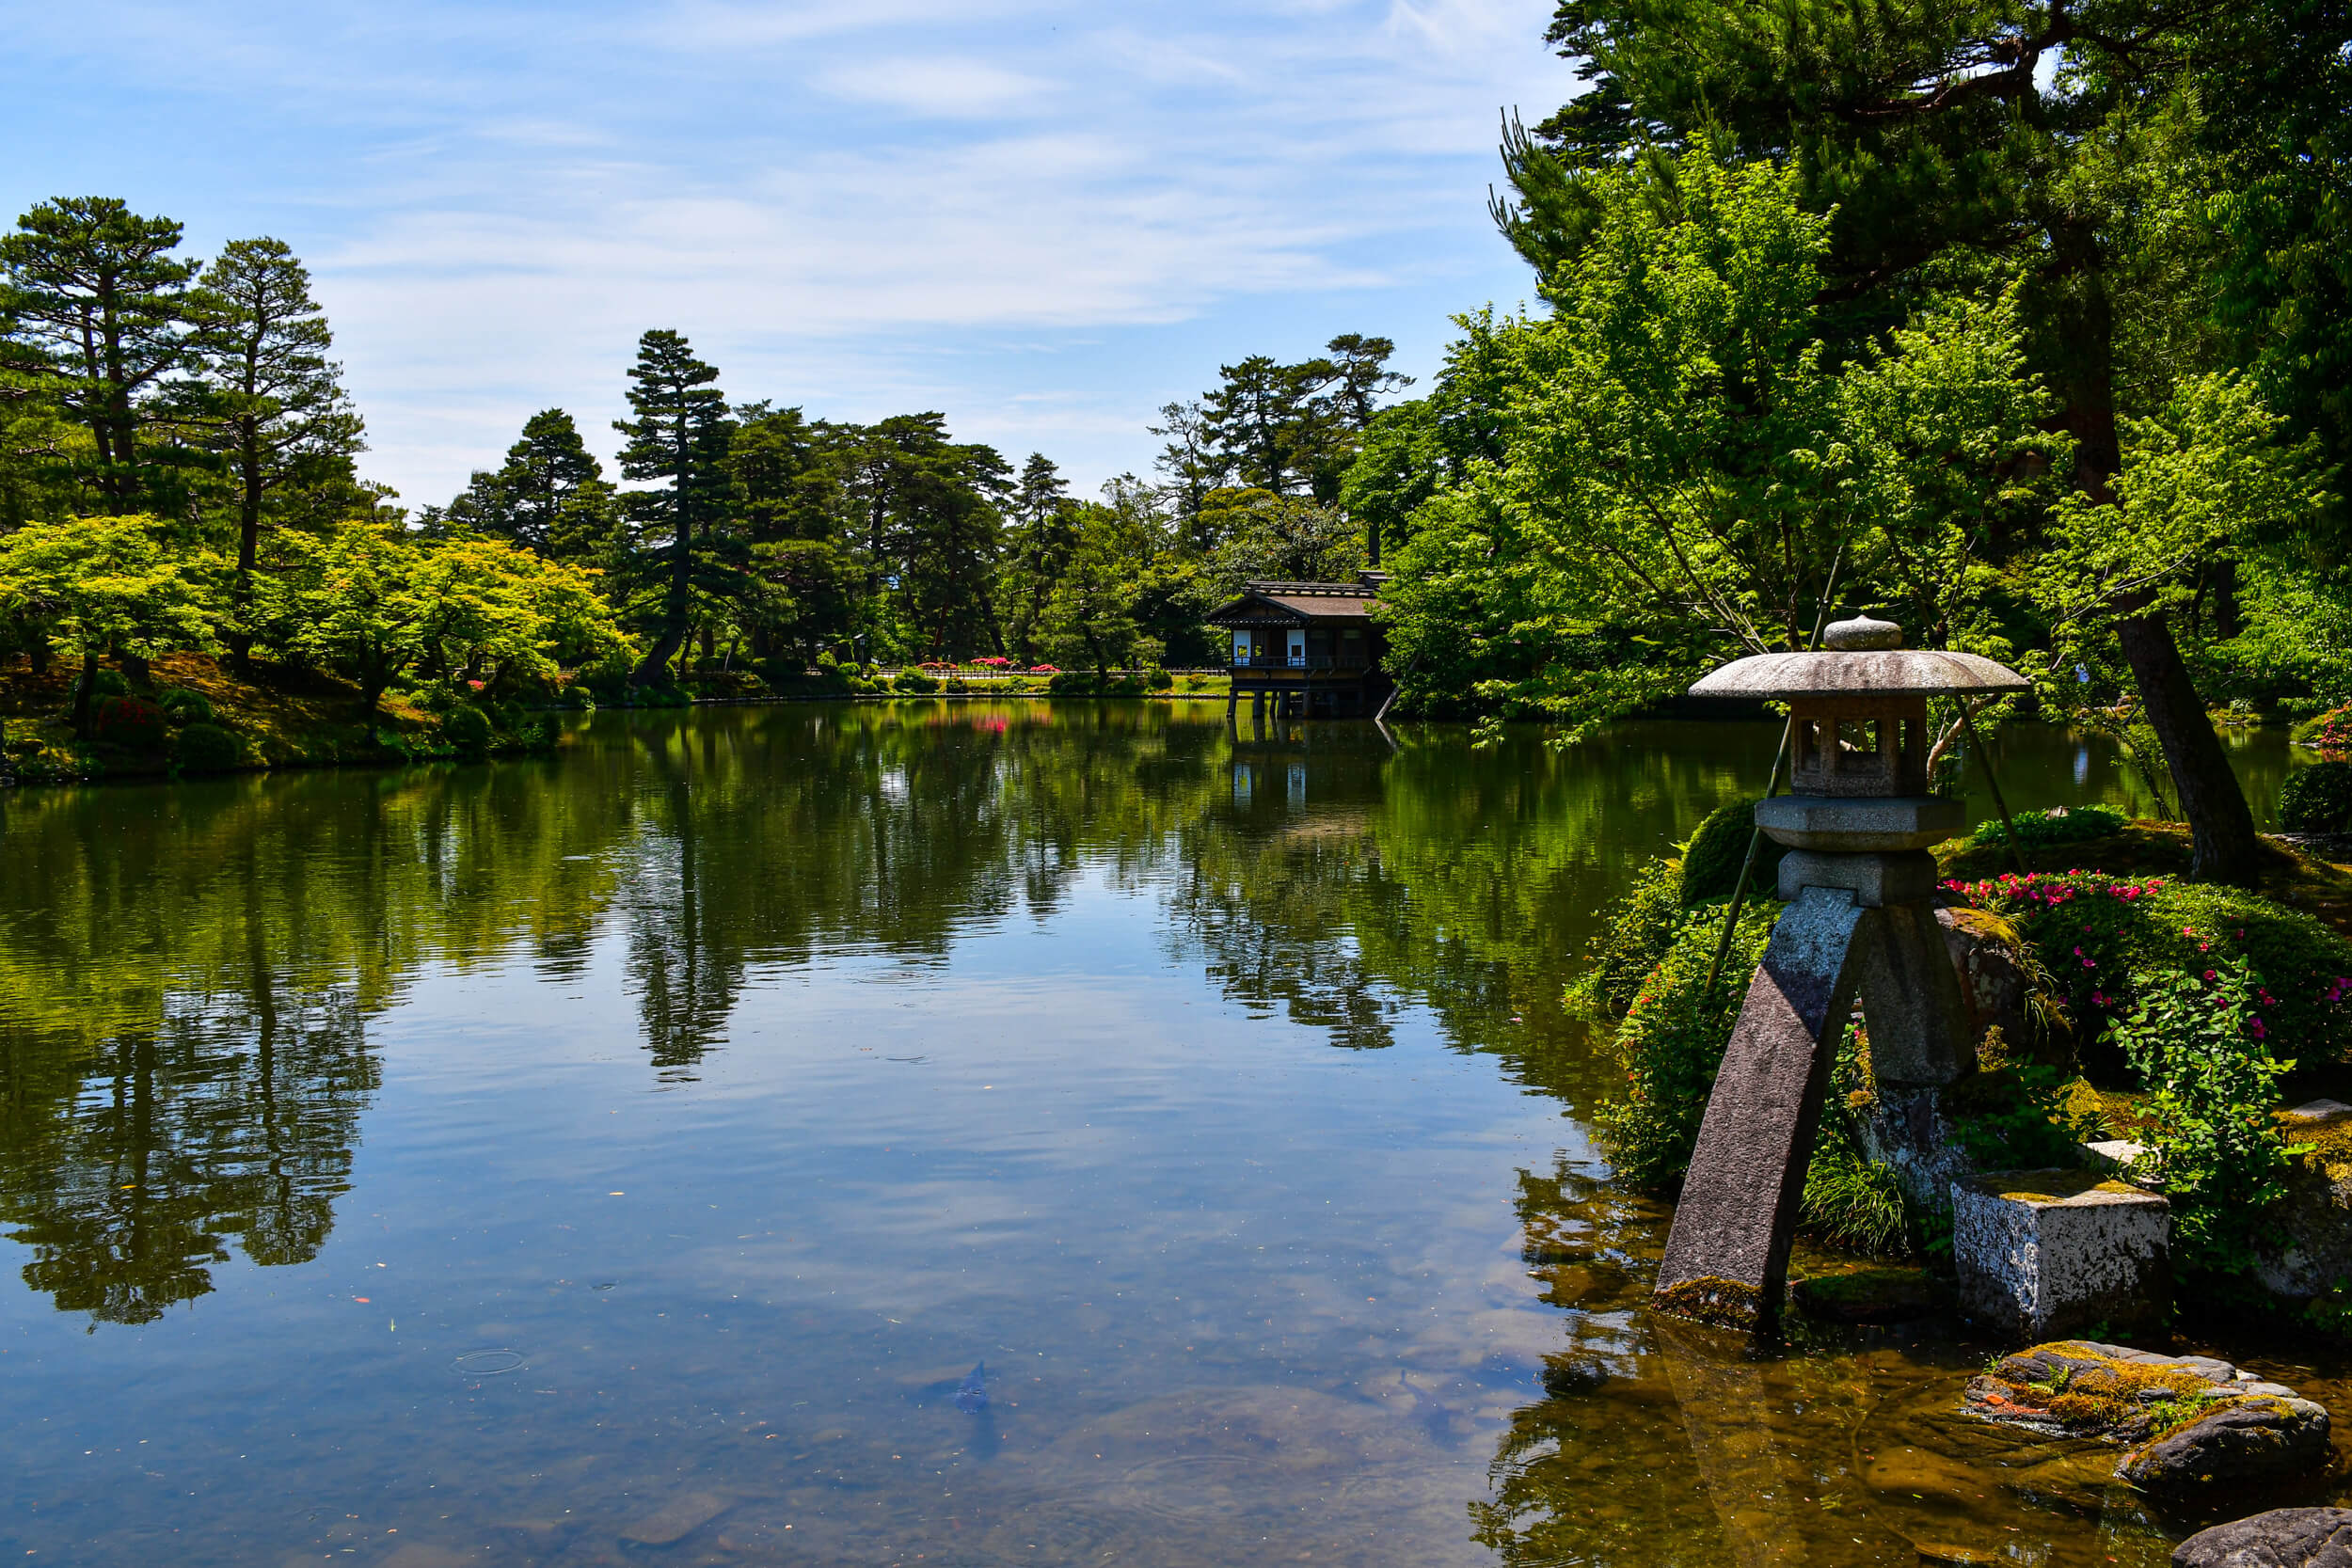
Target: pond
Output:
[(941, 1132)]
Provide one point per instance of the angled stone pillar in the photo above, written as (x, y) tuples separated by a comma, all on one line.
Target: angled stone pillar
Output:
[(1727, 1256)]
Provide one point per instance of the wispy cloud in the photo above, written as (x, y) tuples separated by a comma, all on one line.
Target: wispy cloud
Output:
[(843, 204)]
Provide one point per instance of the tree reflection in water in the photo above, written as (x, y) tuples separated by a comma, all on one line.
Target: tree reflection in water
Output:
[(186, 989)]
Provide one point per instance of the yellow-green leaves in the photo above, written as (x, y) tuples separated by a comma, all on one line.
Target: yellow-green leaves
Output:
[(95, 585)]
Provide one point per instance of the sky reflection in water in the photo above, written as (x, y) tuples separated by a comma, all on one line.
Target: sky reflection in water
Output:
[(627, 1157)]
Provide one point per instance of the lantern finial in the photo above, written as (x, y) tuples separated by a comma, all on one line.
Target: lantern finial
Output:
[(1863, 635)]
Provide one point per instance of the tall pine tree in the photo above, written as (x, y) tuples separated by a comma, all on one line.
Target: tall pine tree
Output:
[(678, 440), (277, 404), (93, 288)]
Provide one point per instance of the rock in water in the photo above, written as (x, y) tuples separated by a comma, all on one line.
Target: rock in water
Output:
[(972, 1393), (2282, 1538), (2263, 1437), (2191, 1421)]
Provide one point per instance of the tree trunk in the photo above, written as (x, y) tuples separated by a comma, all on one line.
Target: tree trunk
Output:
[(248, 545), (2219, 821), (2227, 849), (83, 685), (654, 665)]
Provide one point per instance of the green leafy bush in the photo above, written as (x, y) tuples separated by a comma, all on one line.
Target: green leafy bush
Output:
[(1635, 936), (1158, 679), (1670, 1044), (468, 729), (2058, 825), (2201, 1043), (1712, 858), (110, 683), (206, 748), (133, 724), (2317, 800), (914, 683), (2099, 936), (184, 707), (1074, 683)]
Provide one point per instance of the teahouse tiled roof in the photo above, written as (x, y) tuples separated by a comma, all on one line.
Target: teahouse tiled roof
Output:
[(1277, 604)]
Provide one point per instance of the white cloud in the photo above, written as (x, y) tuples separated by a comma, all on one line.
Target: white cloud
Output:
[(856, 205), (942, 88)]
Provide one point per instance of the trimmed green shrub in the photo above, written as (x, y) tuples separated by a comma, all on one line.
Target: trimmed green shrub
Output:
[(2317, 800), (1157, 679), (132, 723), (914, 683), (183, 706), (2058, 825), (2100, 936), (206, 748), (468, 729), (110, 683), (1074, 683), (1712, 858), (1672, 1042)]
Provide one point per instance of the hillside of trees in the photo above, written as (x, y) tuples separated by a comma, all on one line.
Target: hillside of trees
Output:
[(181, 468), (2028, 326)]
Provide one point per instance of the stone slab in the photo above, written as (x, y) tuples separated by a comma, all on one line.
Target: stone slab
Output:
[(2040, 1252), (1727, 1254), (2319, 1110), (1860, 826), (1903, 876)]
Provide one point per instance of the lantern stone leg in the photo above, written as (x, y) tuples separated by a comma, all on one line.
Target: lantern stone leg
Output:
[(1859, 923), (1727, 1256)]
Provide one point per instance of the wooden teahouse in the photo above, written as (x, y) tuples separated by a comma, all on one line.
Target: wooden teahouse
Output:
[(1311, 649)]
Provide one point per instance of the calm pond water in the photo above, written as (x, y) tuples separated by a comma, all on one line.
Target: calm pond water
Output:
[(629, 1156)]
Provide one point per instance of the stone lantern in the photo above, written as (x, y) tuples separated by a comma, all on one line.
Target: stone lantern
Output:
[(1858, 880)]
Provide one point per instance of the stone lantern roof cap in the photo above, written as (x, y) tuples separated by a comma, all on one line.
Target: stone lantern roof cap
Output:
[(1864, 657)]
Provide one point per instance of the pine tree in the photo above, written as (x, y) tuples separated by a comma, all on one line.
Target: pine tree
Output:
[(1043, 533), (281, 416), (550, 496), (679, 437), (94, 289)]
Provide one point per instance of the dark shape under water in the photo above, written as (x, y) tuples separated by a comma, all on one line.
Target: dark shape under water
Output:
[(972, 1393)]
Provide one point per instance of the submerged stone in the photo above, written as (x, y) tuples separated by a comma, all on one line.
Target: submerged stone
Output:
[(2282, 1538), (1887, 1295)]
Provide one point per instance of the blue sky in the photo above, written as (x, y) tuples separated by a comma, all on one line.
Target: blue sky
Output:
[(1043, 218)]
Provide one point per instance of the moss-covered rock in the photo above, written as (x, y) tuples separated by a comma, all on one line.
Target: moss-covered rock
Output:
[(2191, 1423)]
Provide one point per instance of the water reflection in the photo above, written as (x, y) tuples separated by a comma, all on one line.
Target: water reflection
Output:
[(1258, 1292)]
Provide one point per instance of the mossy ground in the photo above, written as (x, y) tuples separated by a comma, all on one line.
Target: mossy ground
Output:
[(284, 717), (2292, 876)]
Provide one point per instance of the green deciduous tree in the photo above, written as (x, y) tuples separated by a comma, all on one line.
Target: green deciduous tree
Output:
[(1684, 465), (374, 603), (1967, 145), (93, 586)]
